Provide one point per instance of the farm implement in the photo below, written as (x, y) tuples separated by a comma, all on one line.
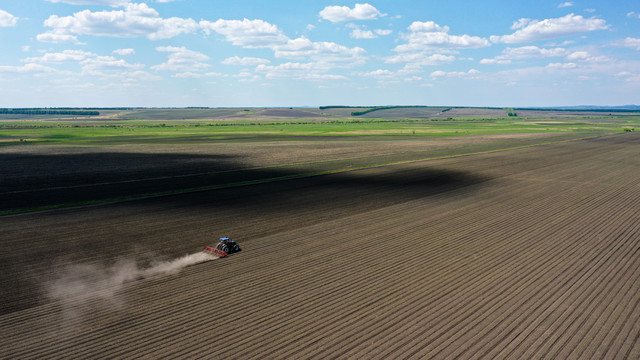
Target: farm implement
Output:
[(225, 247)]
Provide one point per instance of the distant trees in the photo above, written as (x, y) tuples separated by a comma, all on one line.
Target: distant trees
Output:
[(49, 112), (511, 112)]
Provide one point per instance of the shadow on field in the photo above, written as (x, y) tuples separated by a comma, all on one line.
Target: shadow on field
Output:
[(35, 180), (168, 227), (32, 181)]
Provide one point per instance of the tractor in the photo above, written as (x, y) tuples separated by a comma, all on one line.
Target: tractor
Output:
[(225, 247)]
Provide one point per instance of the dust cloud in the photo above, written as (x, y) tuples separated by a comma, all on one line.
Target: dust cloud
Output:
[(83, 281)]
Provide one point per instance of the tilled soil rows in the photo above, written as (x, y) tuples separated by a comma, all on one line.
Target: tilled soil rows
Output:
[(523, 253)]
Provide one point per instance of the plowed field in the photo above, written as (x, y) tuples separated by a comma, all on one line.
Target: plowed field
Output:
[(524, 253)]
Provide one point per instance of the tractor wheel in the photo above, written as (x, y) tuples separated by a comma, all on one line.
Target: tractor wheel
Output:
[(225, 249)]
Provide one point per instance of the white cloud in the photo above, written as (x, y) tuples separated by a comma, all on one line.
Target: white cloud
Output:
[(420, 59), (429, 36), (308, 71), (344, 13), (91, 64), (27, 68), (584, 56), (565, 4), (379, 74), (578, 55), (427, 26), (96, 65), (123, 52), (454, 74), (255, 34), (60, 57), (114, 3), (247, 33), (7, 20), (383, 32), (139, 75), (57, 37), (362, 34), (245, 61), (520, 23), (328, 52), (633, 43), (135, 20), (534, 30), (629, 76), (181, 59), (495, 60), (524, 52), (187, 75), (633, 14), (562, 66)]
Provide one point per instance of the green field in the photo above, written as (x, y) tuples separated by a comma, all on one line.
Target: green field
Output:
[(118, 130)]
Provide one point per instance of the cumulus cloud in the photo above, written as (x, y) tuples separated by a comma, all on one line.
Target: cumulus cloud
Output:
[(303, 48), (454, 74), (534, 30), (344, 13), (261, 34), (7, 20), (308, 71), (96, 65), (633, 14), (562, 66), (420, 59), (379, 74), (565, 4), (245, 61), (362, 34), (114, 3), (633, 43), (92, 64), (27, 68), (429, 36), (136, 20), (495, 60), (181, 59), (246, 33), (60, 57), (524, 52), (124, 51)]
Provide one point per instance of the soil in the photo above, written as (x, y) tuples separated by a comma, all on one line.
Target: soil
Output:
[(522, 253)]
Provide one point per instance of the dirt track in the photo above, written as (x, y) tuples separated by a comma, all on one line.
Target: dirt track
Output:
[(525, 253)]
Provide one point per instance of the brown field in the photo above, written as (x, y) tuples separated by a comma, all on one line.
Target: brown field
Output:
[(522, 253)]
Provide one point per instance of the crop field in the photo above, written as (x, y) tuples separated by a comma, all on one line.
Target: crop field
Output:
[(476, 244)]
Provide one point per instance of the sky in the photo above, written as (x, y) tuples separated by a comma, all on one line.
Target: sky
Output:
[(255, 53)]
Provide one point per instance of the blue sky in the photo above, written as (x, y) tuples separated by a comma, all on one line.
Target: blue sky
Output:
[(97, 53)]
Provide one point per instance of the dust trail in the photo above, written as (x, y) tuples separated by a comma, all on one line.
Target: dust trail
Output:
[(80, 282)]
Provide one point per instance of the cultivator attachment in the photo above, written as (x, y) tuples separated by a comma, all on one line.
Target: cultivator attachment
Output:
[(214, 251)]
